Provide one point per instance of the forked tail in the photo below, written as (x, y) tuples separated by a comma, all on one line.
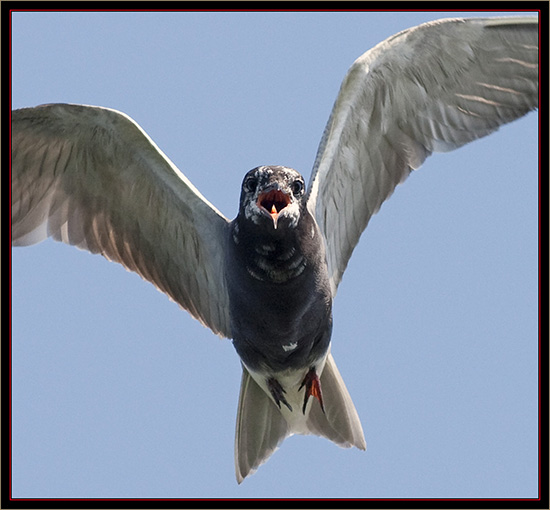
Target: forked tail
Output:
[(261, 427)]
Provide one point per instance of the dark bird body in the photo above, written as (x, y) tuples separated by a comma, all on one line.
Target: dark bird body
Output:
[(91, 177), (280, 301)]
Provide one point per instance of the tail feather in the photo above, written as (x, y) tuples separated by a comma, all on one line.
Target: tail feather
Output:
[(340, 422), (261, 426)]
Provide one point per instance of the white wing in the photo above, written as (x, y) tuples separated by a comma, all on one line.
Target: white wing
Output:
[(91, 177), (434, 87)]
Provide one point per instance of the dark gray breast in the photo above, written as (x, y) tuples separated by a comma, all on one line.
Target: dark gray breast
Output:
[(272, 261), (280, 302)]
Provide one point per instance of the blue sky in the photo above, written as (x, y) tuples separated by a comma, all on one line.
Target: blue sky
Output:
[(117, 392)]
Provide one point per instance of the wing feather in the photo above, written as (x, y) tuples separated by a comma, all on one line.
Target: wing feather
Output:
[(432, 88), (91, 177)]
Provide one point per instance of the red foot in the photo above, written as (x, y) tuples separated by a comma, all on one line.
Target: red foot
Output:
[(313, 388)]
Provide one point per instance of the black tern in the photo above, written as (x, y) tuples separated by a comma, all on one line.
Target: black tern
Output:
[(91, 177)]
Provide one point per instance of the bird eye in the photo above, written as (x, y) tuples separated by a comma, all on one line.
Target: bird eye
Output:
[(250, 184), (297, 187)]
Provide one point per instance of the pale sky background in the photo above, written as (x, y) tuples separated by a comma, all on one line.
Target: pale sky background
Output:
[(117, 392)]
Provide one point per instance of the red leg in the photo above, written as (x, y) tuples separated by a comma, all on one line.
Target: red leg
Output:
[(313, 388)]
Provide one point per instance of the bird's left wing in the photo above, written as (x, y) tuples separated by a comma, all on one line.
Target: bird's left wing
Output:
[(91, 177), (434, 87)]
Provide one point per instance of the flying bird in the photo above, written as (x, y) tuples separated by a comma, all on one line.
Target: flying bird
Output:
[(91, 177)]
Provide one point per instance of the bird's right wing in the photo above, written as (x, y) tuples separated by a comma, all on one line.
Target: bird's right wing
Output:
[(91, 177), (431, 88)]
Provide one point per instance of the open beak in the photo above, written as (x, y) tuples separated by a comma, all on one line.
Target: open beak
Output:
[(273, 202)]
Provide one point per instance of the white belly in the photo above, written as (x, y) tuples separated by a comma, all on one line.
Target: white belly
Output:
[(291, 380)]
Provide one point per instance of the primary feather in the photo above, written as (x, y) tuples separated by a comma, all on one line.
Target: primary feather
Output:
[(91, 177), (431, 88)]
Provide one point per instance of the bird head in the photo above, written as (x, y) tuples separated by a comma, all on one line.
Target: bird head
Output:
[(272, 195)]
